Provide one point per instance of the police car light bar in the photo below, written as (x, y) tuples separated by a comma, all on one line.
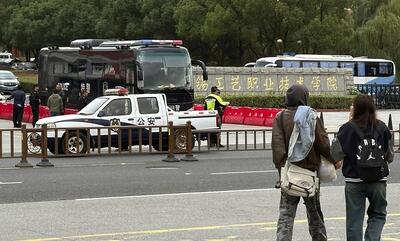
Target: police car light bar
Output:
[(142, 42), (117, 91)]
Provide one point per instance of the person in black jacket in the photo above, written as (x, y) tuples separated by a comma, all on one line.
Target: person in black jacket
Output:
[(34, 101), (19, 103), (83, 99), (348, 148)]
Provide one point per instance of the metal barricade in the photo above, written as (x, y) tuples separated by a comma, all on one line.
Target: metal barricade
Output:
[(385, 96), (47, 143)]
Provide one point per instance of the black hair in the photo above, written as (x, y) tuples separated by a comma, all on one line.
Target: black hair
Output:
[(364, 111)]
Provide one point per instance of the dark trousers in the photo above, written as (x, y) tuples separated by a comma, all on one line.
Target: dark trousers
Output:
[(17, 116), (287, 214), (35, 115), (356, 195)]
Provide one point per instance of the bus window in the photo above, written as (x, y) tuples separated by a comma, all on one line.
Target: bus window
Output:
[(290, 64), (307, 64), (385, 69), (328, 64), (360, 69), (349, 65)]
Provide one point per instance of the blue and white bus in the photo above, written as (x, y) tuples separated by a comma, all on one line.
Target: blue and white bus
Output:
[(365, 70)]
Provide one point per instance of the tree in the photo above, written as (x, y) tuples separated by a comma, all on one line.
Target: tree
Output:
[(379, 37)]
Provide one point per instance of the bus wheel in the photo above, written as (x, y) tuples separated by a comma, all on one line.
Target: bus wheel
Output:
[(181, 139), (74, 142)]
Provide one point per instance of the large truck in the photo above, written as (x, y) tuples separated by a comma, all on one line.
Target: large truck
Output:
[(141, 66)]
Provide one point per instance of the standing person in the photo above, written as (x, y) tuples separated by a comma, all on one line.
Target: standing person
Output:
[(83, 99), (296, 96), (363, 139), (55, 104), (34, 101), (61, 93), (19, 104), (215, 102)]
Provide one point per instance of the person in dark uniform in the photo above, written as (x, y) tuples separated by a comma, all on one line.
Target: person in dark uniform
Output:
[(215, 102), (83, 99), (34, 101), (19, 103)]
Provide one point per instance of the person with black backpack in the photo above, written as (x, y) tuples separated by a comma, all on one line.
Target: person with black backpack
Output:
[(365, 145)]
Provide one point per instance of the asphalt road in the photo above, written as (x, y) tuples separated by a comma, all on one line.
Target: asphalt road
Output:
[(224, 196)]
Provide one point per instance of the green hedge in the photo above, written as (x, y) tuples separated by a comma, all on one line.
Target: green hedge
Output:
[(27, 87), (277, 101)]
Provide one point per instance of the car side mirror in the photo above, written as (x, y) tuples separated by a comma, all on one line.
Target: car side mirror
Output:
[(101, 113)]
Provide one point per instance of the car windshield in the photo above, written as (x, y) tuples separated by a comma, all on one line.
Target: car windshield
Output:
[(7, 75), (165, 68), (262, 63), (93, 106)]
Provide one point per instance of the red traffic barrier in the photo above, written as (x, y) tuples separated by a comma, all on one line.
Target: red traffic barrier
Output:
[(27, 115), (256, 117), (43, 112), (8, 109), (235, 115), (270, 117), (198, 107), (2, 111)]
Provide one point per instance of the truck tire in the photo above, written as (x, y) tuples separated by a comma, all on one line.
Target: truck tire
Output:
[(71, 144), (156, 147), (52, 148), (181, 139)]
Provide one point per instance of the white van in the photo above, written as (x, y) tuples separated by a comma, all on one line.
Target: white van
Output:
[(6, 58)]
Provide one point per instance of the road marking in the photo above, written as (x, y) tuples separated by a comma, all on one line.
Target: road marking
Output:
[(9, 183), (188, 229), (177, 194), (10, 168), (99, 164), (243, 172)]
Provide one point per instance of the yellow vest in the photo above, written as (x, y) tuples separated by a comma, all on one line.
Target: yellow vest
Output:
[(210, 102)]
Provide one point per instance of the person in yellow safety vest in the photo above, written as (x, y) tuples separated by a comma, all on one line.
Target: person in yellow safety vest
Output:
[(215, 102)]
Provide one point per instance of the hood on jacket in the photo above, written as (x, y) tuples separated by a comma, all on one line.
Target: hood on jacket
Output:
[(296, 95)]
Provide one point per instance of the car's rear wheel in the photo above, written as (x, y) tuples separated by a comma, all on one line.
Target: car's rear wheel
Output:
[(75, 144), (181, 139)]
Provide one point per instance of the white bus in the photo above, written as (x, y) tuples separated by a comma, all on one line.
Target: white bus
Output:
[(365, 70)]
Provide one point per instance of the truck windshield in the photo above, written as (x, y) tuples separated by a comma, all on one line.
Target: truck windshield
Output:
[(165, 68), (93, 106)]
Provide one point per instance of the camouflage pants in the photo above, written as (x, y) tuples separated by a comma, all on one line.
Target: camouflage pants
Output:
[(287, 214)]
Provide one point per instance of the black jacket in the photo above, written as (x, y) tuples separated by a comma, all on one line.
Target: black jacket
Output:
[(83, 101), (349, 141), (34, 99)]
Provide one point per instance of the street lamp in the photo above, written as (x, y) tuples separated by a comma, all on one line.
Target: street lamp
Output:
[(299, 44), (279, 43), (348, 11)]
